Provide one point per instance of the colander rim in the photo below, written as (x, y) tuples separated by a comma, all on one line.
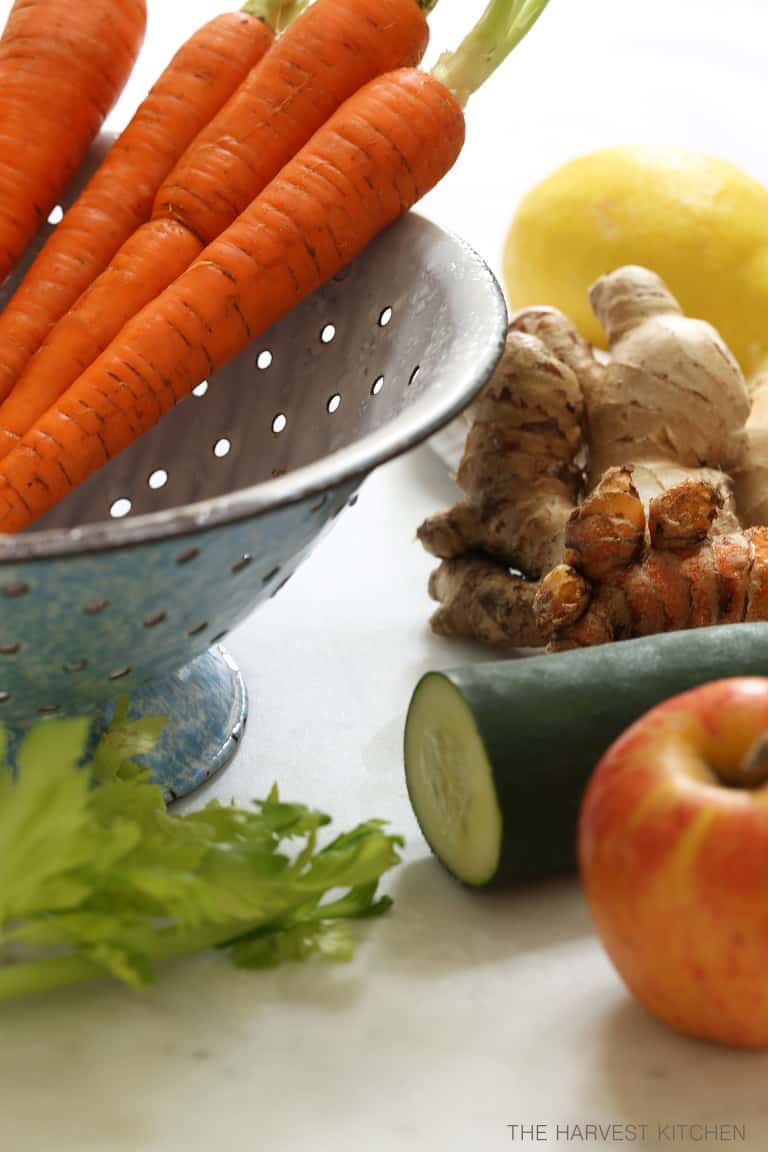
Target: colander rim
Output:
[(432, 411)]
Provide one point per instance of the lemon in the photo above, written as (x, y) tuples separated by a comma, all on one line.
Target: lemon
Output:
[(699, 222)]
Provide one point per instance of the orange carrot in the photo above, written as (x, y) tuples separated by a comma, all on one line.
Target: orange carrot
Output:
[(333, 48), (376, 156), (192, 89), (63, 63), (383, 150)]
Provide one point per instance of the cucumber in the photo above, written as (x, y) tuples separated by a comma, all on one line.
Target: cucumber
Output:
[(497, 755)]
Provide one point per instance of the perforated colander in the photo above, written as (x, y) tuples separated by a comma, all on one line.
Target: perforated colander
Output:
[(130, 584)]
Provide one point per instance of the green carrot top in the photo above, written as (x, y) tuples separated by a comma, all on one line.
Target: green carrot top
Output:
[(278, 14), (501, 27)]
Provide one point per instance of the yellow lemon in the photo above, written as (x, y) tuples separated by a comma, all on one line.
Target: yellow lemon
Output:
[(699, 222)]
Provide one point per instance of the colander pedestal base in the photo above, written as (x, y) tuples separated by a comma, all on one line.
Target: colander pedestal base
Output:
[(207, 705)]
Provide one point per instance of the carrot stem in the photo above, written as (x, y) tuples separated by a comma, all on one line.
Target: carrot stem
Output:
[(290, 10), (277, 14), (501, 27)]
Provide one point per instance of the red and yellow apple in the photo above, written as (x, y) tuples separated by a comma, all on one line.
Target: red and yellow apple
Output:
[(673, 854)]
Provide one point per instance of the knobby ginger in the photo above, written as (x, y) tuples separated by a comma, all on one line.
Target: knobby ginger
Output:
[(480, 600), (520, 480), (751, 472), (653, 532), (518, 472)]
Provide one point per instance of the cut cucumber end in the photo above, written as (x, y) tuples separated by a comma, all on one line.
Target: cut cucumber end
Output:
[(450, 781)]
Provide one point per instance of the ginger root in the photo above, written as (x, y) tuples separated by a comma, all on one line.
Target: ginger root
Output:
[(479, 600), (751, 471), (518, 473), (671, 394), (651, 539)]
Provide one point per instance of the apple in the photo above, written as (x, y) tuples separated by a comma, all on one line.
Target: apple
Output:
[(673, 856)]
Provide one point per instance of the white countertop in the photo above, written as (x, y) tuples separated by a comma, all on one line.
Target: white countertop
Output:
[(461, 1014)]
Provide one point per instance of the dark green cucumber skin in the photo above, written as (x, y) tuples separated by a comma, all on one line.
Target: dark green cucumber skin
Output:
[(545, 722)]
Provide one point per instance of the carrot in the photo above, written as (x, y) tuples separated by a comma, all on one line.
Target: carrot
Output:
[(333, 48), (63, 63), (198, 81), (377, 155)]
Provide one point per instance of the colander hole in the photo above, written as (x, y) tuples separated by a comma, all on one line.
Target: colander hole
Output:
[(201, 389), (413, 375), (334, 403), (4, 696), (271, 575), (119, 673), (378, 384), (242, 563), (328, 333), (279, 587), (385, 317), (9, 649), (279, 423), (120, 508), (15, 590), (75, 665), (187, 556), (95, 606), (155, 619), (57, 215), (49, 709), (219, 636), (264, 359), (198, 629), (221, 448), (158, 479)]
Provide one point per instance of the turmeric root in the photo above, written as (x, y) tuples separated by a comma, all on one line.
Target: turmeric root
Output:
[(518, 472), (607, 530), (719, 580), (684, 515)]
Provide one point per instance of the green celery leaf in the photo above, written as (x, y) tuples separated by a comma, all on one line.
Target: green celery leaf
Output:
[(358, 904), (295, 944), (124, 739), (354, 858), (46, 838), (96, 876)]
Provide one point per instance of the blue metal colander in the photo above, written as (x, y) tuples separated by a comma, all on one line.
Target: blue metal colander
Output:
[(130, 584)]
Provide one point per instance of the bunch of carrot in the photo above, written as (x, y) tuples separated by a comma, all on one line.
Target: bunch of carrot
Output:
[(262, 161)]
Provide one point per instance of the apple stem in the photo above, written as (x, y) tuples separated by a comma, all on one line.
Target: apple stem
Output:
[(753, 770)]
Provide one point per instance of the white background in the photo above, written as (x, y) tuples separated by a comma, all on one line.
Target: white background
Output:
[(462, 1014)]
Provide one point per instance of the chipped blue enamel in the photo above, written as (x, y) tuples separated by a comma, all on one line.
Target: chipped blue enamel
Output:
[(67, 628)]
